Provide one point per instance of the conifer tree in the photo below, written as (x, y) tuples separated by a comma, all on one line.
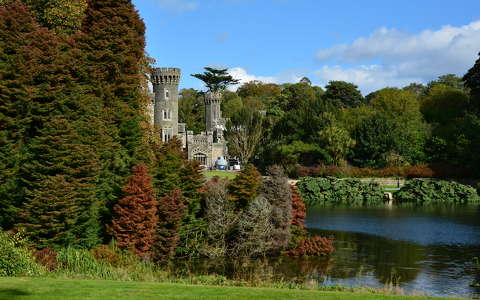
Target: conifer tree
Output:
[(34, 72), (60, 178), (135, 218), (170, 214), (192, 233), (245, 187)]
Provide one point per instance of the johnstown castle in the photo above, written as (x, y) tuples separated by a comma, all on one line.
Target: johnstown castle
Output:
[(209, 147)]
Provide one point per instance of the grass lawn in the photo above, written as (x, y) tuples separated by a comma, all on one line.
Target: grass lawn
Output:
[(221, 174), (66, 289)]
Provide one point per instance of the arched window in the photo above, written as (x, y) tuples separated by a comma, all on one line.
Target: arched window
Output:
[(201, 158), (167, 94), (167, 134)]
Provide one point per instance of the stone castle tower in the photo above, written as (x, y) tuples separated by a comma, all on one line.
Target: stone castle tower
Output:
[(206, 147), (165, 88)]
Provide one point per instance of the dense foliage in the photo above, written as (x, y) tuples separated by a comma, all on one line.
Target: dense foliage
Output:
[(15, 257), (339, 192), (436, 192)]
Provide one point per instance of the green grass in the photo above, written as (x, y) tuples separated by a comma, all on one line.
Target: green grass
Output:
[(56, 289), (221, 174)]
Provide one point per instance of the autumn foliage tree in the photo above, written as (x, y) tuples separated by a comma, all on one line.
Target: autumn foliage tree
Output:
[(299, 210), (245, 187), (170, 214), (135, 215)]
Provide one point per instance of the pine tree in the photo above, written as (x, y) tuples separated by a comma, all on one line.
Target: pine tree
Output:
[(34, 72), (135, 218), (244, 188), (60, 178), (170, 214), (168, 164), (192, 233)]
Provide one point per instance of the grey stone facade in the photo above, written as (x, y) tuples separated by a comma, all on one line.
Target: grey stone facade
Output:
[(206, 147)]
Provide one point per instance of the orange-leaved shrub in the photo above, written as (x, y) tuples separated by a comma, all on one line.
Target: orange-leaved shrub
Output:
[(313, 246), (47, 257)]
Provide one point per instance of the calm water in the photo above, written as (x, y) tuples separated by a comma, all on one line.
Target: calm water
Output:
[(427, 251)]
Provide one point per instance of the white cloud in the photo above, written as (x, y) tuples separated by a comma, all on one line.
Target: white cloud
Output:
[(242, 75), (395, 58), (178, 5)]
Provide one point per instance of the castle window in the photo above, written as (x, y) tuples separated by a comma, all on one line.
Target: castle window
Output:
[(201, 158), (167, 94), (167, 134), (167, 115)]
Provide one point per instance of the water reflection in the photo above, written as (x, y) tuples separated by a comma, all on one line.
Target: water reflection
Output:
[(429, 250)]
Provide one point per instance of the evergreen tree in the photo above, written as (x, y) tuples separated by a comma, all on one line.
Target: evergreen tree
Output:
[(472, 81), (245, 187), (192, 233), (135, 219), (60, 178), (170, 214)]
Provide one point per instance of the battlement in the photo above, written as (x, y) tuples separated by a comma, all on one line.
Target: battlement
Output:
[(212, 97), (166, 76)]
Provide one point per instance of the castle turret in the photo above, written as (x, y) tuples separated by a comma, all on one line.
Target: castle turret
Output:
[(213, 113), (165, 88)]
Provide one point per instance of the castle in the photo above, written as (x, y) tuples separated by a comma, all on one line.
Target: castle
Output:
[(209, 147)]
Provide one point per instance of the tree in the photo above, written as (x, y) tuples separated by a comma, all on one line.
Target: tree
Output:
[(61, 208), (221, 218), (336, 140), (472, 81), (61, 16), (343, 93), (417, 88), (245, 187), (191, 110), (450, 80), (244, 132), (299, 210), (135, 219), (374, 138), (170, 213), (276, 190), (443, 104), (216, 79)]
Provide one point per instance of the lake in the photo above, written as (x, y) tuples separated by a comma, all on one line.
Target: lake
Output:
[(425, 251)]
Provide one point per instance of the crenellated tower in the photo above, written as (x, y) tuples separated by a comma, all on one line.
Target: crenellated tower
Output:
[(165, 88), (213, 115)]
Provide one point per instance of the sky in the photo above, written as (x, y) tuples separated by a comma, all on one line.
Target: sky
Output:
[(372, 43)]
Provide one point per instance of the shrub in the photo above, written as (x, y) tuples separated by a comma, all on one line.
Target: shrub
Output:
[(313, 246), (425, 192), (333, 191), (47, 257), (299, 210), (15, 258)]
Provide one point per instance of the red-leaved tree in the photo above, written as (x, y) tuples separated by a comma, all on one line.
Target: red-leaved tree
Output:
[(135, 216), (299, 211), (171, 211)]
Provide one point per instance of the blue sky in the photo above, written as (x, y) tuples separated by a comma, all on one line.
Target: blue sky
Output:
[(371, 43)]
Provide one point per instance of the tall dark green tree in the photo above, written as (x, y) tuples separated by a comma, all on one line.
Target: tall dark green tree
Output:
[(216, 80), (472, 81)]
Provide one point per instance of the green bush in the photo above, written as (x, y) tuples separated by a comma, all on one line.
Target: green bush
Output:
[(425, 192), (15, 258), (339, 192)]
